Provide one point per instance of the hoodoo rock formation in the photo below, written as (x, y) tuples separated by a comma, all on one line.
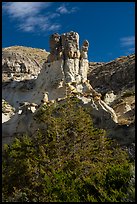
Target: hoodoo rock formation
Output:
[(62, 74), (65, 49)]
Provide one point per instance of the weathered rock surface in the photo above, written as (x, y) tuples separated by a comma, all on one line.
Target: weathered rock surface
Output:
[(117, 83), (116, 75), (57, 73), (7, 111), (19, 63), (66, 71), (118, 91)]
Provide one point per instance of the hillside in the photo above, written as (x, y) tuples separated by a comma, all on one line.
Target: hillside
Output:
[(115, 80), (117, 75), (47, 78), (19, 62), (67, 160), (64, 114)]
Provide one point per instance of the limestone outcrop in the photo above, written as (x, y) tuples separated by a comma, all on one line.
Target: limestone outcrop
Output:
[(117, 75), (66, 65), (63, 73), (115, 80), (65, 48), (20, 63)]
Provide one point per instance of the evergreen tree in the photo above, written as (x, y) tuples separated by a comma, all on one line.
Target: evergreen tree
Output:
[(69, 160)]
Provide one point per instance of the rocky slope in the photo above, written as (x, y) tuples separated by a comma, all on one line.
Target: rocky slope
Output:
[(117, 85), (50, 77), (19, 62), (117, 75)]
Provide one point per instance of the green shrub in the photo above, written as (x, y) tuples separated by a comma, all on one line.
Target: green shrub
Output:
[(69, 161)]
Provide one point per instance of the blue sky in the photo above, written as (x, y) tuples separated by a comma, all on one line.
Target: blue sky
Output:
[(108, 26)]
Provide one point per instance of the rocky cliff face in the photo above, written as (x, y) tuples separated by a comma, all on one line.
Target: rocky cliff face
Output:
[(64, 71)]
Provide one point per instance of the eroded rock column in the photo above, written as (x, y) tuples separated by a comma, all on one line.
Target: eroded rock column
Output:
[(84, 65), (71, 55)]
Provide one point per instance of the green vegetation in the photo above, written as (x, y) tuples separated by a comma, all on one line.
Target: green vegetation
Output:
[(69, 160)]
